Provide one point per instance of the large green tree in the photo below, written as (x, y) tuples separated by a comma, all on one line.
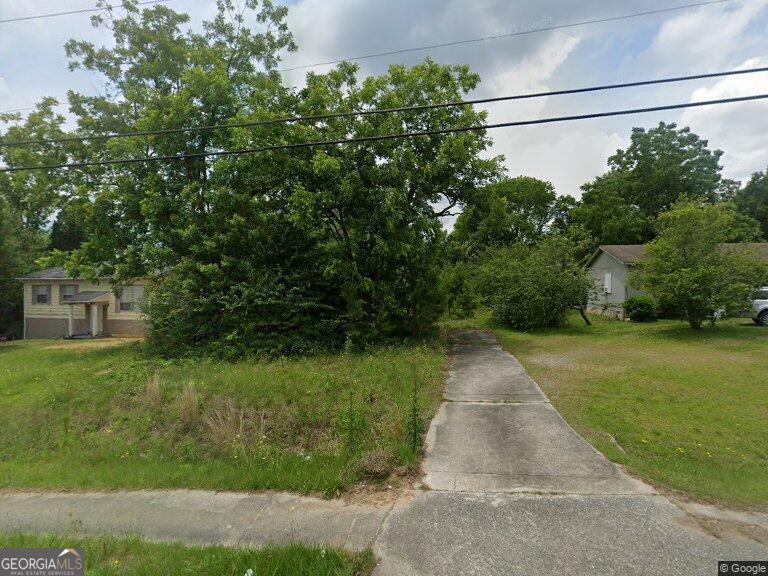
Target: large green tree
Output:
[(665, 163), (521, 209), (281, 251), (690, 269)]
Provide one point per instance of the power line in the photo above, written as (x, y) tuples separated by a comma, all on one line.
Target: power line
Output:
[(335, 115), (83, 11), (383, 137), (406, 50), (505, 35)]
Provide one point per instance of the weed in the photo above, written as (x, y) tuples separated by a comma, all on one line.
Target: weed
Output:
[(414, 424), (189, 410), (154, 391), (225, 424)]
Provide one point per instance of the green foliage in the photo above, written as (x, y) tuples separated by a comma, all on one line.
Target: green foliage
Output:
[(528, 287), (456, 283), (664, 164), (69, 231), (659, 166), (607, 217), (511, 210), (415, 422), (20, 246), (640, 308), (752, 200), (279, 253), (113, 556), (689, 269)]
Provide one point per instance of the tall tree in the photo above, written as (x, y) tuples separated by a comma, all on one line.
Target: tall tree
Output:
[(35, 196), (286, 250), (511, 210), (665, 163), (607, 216), (752, 200)]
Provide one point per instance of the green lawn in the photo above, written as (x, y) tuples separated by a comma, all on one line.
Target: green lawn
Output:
[(689, 409), (133, 557), (78, 416)]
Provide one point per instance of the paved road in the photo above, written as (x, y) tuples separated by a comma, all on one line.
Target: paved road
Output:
[(514, 490), (196, 517)]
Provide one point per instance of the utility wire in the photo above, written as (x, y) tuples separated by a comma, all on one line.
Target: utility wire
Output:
[(383, 137), (83, 11), (506, 35), (334, 115)]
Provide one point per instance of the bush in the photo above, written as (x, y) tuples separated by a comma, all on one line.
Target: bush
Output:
[(528, 287), (640, 308)]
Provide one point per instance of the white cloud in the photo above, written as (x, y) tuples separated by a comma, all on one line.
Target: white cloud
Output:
[(707, 37), (739, 128)]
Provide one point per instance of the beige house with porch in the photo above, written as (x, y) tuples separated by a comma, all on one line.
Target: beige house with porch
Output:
[(57, 305)]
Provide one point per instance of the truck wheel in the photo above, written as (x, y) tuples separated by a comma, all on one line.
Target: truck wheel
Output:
[(762, 318)]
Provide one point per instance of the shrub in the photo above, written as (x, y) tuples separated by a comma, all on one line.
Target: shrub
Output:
[(528, 287), (640, 308)]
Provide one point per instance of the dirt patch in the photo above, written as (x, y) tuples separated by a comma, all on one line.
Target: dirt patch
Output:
[(553, 361), (94, 344)]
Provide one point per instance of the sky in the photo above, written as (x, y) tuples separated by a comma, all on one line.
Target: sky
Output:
[(713, 38)]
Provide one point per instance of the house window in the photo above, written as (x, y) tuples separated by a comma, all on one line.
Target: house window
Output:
[(608, 282), (130, 299), (66, 291), (41, 294)]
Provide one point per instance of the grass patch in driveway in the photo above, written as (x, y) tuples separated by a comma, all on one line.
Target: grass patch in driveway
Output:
[(683, 409), (108, 556), (111, 417)]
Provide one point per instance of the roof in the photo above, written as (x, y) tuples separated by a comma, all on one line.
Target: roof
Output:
[(87, 296), (58, 273), (630, 254)]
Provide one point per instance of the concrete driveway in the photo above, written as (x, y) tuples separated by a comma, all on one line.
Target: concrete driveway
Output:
[(514, 490)]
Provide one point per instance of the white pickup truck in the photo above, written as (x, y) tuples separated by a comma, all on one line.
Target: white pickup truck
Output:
[(760, 307)]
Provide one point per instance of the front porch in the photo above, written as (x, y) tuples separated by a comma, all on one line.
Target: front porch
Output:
[(96, 304)]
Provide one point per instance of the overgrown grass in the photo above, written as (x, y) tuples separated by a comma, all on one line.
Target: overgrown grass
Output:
[(77, 416), (684, 409), (107, 556)]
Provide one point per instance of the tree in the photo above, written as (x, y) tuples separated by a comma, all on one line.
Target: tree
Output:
[(752, 200), (286, 251), (607, 216), (664, 164), (532, 287), (691, 272), (511, 210), (34, 196), (19, 248), (68, 231)]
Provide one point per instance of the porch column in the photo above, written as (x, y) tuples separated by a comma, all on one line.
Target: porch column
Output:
[(94, 320), (71, 325)]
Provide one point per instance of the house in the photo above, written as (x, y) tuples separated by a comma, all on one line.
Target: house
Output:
[(611, 266), (57, 305)]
